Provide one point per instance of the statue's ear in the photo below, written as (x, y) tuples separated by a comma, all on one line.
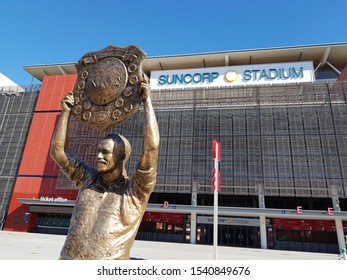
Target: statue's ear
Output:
[(122, 157)]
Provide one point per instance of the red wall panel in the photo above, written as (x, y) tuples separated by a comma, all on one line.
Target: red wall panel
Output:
[(53, 89), (343, 75), (36, 161), (36, 158)]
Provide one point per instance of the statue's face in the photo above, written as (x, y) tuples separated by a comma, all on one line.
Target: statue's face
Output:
[(106, 161)]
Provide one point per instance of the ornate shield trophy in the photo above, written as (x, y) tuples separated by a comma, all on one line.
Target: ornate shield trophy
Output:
[(107, 90)]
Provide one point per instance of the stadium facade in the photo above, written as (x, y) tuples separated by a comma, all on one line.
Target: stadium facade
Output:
[(280, 115)]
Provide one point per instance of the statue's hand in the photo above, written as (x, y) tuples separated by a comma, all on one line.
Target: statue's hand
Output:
[(145, 89), (67, 102)]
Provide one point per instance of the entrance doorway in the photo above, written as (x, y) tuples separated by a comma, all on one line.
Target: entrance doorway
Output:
[(238, 236)]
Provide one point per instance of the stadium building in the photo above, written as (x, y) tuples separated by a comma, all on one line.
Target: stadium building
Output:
[(280, 115)]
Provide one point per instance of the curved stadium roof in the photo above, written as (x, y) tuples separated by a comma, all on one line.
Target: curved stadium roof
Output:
[(323, 56)]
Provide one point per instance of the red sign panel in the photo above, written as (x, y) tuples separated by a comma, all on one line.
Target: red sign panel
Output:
[(163, 217), (295, 224)]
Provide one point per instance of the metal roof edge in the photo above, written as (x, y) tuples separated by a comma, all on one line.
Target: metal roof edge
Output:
[(252, 50), (210, 53)]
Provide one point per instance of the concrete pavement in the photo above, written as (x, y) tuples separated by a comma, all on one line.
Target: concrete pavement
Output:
[(34, 246)]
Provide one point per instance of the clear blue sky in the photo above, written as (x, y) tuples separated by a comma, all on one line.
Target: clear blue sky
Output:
[(44, 32)]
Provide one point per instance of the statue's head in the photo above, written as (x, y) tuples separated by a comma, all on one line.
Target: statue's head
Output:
[(113, 153)]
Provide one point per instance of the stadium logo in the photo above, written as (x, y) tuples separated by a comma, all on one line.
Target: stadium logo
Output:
[(231, 76)]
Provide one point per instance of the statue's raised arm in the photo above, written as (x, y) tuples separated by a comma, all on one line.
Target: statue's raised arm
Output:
[(60, 135), (149, 157)]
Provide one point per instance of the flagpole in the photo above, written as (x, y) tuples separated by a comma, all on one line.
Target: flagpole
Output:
[(216, 189)]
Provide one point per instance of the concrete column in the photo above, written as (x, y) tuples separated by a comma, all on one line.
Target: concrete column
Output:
[(340, 234), (193, 228), (335, 197), (338, 222), (193, 215), (262, 218), (263, 238)]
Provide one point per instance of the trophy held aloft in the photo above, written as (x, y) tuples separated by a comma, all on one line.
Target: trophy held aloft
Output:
[(107, 90)]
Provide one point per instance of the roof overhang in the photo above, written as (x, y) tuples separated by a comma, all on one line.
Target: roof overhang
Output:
[(208, 210), (335, 54), (39, 202)]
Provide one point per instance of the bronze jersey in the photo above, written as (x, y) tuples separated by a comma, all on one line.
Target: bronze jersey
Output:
[(105, 220)]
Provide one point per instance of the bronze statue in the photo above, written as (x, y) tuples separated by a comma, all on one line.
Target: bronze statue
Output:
[(109, 205)]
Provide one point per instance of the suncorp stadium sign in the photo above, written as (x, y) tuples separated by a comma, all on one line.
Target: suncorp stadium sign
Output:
[(262, 74)]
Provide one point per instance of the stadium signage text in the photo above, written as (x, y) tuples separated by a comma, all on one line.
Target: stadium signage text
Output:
[(194, 78), (53, 199), (244, 75), (273, 74), (228, 221)]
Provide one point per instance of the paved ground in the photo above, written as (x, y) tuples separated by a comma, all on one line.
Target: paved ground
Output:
[(32, 246)]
